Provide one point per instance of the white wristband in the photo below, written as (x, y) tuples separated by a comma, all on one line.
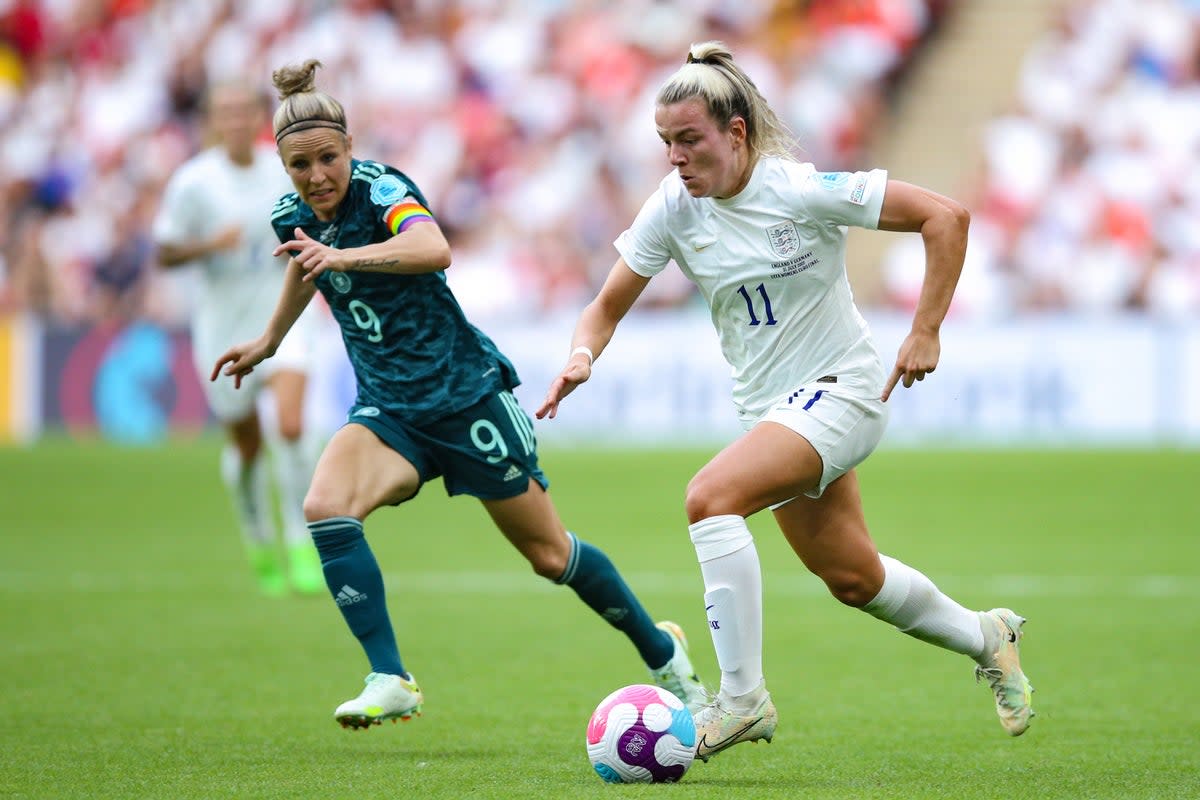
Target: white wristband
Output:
[(587, 351)]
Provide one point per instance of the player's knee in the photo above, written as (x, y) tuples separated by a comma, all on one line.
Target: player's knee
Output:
[(547, 562), (850, 587), (547, 556), (707, 497), (320, 504), (248, 448), (290, 430), (247, 438)]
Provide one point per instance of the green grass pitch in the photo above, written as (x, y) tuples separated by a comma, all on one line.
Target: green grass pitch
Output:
[(139, 661)]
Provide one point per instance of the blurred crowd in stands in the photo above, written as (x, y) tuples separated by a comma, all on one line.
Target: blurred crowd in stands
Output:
[(1089, 197), (528, 123)]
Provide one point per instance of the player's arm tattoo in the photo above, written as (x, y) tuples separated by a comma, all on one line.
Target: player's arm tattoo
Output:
[(378, 264)]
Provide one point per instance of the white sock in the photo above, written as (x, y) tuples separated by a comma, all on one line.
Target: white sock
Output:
[(293, 472), (733, 600), (912, 603), (248, 487)]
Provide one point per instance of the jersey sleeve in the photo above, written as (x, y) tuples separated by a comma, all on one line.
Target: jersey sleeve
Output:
[(643, 245), (175, 222), (845, 198), (282, 216), (396, 205)]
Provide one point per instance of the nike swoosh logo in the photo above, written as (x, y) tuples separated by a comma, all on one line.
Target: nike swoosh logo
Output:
[(489, 372), (709, 608), (699, 247), (732, 739)]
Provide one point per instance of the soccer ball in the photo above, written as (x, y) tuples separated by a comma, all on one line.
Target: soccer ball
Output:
[(641, 734)]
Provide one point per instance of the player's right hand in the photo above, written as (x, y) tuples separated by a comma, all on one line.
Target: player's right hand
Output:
[(577, 371), (311, 256), (240, 360), (226, 239)]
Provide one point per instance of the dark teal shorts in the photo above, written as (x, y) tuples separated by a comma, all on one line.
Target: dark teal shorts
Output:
[(487, 450)]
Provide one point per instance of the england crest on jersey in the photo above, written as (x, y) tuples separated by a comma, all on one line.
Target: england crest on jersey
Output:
[(784, 238)]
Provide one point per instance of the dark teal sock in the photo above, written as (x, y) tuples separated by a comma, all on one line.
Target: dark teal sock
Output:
[(353, 577), (596, 580)]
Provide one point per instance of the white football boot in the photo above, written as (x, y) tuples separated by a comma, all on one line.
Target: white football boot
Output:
[(677, 676), (1000, 666), (719, 727), (385, 697)]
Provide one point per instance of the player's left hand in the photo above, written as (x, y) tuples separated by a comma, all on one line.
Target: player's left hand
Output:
[(311, 256), (918, 357)]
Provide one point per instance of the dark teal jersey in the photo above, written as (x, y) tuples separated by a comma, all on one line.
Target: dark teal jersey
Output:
[(413, 351)]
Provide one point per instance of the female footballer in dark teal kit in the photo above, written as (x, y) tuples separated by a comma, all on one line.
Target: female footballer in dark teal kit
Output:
[(434, 399)]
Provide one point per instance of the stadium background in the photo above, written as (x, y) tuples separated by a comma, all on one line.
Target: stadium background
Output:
[(1071, 130)]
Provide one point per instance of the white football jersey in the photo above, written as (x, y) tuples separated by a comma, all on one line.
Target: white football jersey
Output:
[(771, 263), (239, 288)]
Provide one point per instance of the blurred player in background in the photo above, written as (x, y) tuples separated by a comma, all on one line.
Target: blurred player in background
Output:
[(763, 237), (434, 399), (214, 214)]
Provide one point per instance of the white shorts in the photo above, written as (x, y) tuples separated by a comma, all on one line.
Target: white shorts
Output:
[(843, 428), (231, 405)]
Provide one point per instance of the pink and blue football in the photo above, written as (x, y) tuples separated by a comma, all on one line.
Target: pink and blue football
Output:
[(641, 734)]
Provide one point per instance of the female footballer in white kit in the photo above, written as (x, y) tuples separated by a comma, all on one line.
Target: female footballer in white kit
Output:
[(764, 238), (215, 213)]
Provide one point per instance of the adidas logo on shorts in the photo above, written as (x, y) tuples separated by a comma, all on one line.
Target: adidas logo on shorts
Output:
[(513, 473)]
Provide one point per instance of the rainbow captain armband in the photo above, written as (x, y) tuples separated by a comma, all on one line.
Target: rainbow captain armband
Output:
[(404, 214)]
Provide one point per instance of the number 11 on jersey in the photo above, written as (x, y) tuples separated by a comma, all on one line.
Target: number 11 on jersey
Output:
[(762, 291)]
